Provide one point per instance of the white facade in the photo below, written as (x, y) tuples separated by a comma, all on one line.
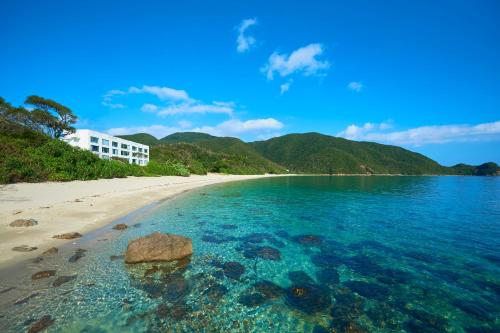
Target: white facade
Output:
[(107, 146)]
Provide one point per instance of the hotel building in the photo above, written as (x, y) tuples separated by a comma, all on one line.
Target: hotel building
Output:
[(107, 146)]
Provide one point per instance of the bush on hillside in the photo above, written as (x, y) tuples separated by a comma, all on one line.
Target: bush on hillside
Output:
[(167, 169)]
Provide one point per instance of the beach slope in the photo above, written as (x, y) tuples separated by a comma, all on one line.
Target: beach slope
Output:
[(81, 206)]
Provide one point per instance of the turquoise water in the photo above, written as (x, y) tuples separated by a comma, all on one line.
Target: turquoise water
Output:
[(294, 254)]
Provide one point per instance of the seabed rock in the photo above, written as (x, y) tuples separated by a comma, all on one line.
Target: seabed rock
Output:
[(41, 324), (158, 247), (68, 235), (79, 253), (23, 223), (116, 257)]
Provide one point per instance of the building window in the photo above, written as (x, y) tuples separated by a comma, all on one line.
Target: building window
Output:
[(94, 148), (115, 151), (145, 150), (140, 150), (93, 139), (133, 161), (114, 144), (124, 153), (105, 150), (105, 142), (134, 148), (105, 157), (124, 146)]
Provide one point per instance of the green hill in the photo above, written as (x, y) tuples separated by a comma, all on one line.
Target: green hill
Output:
[(188, 137), (318, 153), (312, 153), (144, 138)]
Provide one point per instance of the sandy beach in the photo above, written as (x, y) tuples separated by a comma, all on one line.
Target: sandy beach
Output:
[(82, 206)]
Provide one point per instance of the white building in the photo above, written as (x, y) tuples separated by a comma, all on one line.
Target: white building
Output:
[(107, 146)]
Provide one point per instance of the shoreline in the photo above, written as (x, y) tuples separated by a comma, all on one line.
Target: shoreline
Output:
[(83, 206)]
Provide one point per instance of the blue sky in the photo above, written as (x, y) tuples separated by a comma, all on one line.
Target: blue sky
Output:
[(419, 74)]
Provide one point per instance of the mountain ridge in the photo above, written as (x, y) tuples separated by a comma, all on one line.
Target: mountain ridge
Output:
[(314, 153)]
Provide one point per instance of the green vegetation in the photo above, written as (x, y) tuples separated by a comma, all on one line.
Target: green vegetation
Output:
[(31, 152), (201, 160), (485, 169)]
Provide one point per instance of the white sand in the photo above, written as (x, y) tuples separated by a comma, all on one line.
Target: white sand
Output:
[(81, 206)]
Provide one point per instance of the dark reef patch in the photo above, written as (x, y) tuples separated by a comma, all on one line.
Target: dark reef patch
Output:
[(269, 289), (216, 291), (368, 290), (300, 277), (251, 299), (326, 260), (309, 240), (328, 276), (233, 270), (308, 298), (363, 265), (262, 252)]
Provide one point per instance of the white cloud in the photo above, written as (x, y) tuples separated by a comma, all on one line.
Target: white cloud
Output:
[(236, 127), (107, 99), (149, 108), (163, 93), (261, 128), (285, 87), (355, 86), (175, 101), (303, 60), (418, 136), (184, 123), (244, 42), (190, 108)]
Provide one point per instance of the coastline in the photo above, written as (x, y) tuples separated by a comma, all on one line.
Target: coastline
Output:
[(83, 206)]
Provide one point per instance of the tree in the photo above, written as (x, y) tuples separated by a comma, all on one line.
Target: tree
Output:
[(57, 119)]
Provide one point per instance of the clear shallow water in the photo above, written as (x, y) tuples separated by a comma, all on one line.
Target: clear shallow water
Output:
[(296, 254)]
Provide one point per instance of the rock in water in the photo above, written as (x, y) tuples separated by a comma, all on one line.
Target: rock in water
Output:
[(120, 226), (68, 235), (41, 324), (24, 223), (43, 274), (158, 247), (24, 248), (62, 280), (51, 251)]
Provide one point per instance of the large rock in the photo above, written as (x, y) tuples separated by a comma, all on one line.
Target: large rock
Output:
[(23, 223), (158, 247)]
